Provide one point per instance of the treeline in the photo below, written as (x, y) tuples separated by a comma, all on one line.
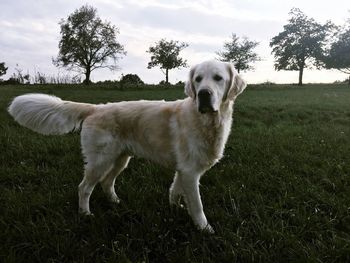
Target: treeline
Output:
[(19, 77), (87, 43)]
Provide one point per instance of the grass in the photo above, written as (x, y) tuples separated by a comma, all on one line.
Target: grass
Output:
[(281, 193)]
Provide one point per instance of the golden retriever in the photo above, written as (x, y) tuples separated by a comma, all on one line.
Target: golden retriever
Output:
[(186, 135)]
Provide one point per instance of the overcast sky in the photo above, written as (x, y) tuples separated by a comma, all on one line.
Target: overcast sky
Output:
[(29, 32)]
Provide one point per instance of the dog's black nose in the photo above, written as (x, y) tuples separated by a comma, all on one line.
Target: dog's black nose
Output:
[(204, 99), (204, 93)]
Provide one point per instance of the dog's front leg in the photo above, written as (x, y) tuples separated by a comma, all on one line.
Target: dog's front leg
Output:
[(190, 186)]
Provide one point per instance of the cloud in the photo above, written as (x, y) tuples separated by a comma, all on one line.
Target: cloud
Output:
[(192, 21)]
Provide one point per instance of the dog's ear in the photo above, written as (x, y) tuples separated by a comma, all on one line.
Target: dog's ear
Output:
[(189, 88), (236, 84)]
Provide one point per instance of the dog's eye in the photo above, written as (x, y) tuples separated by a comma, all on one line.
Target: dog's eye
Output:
[(198, 79), (217, 77)]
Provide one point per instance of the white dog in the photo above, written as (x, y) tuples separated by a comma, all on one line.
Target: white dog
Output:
[(187, 135)]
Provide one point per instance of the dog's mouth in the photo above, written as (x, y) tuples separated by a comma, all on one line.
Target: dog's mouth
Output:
[(206, 109), (205, 104)]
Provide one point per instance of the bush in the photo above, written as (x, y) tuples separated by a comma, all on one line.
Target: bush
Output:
[(10, 81), (131, 79)]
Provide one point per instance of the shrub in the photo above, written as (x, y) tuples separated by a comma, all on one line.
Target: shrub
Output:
[(131, 79)]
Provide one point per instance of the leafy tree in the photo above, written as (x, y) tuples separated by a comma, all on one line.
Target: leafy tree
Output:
[(165, 54), (240, 53), (339, 53), (87, 43), (301, 44), (3, 69)]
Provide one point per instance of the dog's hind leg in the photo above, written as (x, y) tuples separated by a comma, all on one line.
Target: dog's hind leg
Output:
[(107, 183), (175, 191), (94, 171), (100, 150)]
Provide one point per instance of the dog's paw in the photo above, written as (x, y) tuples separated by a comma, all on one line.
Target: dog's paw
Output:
[(85, 213), (207, 229), (114, 199)]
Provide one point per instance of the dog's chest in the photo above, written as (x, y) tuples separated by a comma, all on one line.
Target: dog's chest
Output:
[(210, 147)]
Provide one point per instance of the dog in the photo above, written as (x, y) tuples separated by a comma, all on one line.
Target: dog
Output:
[(186, 135)]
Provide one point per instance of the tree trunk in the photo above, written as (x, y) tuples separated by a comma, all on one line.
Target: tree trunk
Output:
[(87, 76), (349, 81), (301, 71), (166, 76)]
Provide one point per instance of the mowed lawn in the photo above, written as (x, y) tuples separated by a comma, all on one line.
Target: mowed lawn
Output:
[(280, 194)]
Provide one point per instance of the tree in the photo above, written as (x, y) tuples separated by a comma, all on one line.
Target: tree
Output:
[(301, 44), (3, 69), (165, 54), (87, 43), (240, 53), (338, 56)]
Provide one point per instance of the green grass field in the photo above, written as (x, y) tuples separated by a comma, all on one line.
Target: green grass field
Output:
[(280, 194)]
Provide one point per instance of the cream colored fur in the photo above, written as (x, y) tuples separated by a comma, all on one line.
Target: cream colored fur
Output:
[(48, 114), (173, 134)]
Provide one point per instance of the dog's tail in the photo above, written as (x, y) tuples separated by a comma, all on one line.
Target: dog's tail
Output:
[(49, 114)]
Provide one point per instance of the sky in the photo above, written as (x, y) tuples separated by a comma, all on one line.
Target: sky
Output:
[(29, 33)]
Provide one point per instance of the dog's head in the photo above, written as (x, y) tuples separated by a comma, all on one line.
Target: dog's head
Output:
[(212, 83)]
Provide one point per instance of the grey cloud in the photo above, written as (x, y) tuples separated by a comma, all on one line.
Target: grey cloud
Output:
[(193, 22)]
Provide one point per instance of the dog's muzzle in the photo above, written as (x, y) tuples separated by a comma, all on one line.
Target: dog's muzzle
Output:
[(205, 104)]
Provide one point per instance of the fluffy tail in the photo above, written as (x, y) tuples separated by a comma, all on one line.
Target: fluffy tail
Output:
[(49, 114)]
